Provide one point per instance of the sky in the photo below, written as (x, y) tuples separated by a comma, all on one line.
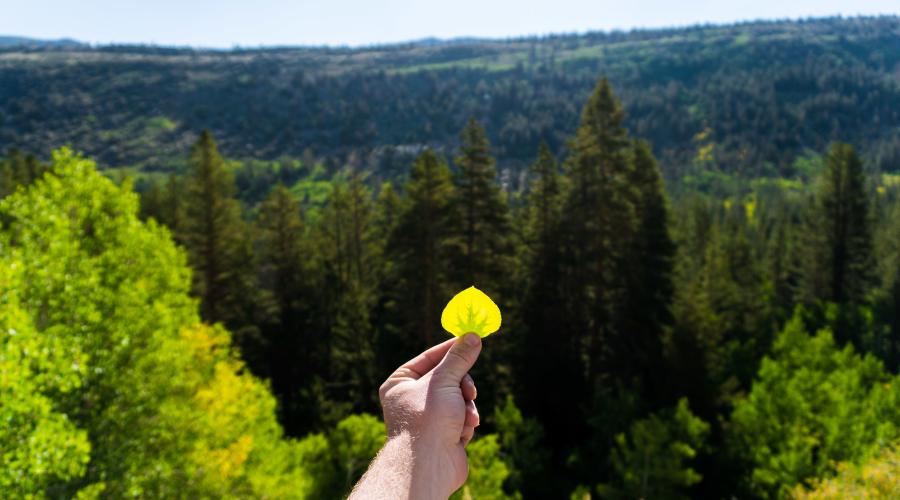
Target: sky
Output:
[(229, 23)]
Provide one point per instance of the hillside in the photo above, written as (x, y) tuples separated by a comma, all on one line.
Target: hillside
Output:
[(745, 98)]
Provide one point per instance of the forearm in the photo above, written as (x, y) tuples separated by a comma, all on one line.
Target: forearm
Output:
[(400, 472)]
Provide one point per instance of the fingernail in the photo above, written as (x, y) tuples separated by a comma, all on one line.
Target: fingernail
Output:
[(471, 339)]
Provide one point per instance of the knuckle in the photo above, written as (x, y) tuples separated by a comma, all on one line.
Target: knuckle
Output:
[(458, 356)]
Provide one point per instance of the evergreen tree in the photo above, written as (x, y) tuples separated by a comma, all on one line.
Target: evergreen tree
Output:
[(648, 262), (545, 356), (484, 229), (599, 223), (421, 249), (18, 169), (840, 261), (294, 354), (544, 201), (213, 233), (484, 220), (349, 286)]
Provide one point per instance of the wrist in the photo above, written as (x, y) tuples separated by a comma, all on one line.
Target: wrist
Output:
[(429, 466)]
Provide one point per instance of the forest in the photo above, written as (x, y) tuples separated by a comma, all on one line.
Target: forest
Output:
[(675, 325), (755, 95)]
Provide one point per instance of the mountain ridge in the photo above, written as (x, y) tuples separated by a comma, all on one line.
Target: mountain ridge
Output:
[(766, 92)]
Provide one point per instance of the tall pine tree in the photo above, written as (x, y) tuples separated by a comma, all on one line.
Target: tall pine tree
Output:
[(421, 249), (349, 286), (840, 255), (213, 233), (484, 222), (294, 353)]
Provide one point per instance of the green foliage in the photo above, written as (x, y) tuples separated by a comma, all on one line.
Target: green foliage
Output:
[(483, 227), (160, 402), (213, 233), (875, 479), (39, 445), (487, 472), (653, 459), (840, 257), (338, 459), (619, 306), (766, 90), (521, 441), (350, 276), (422, 246), (812, 404)]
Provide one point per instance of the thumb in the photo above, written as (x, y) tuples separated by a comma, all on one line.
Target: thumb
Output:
[(458, 361)]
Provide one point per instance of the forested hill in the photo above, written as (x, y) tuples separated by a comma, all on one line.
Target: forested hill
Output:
[(746, 98)]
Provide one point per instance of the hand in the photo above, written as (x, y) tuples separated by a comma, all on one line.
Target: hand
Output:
[(430, 401)]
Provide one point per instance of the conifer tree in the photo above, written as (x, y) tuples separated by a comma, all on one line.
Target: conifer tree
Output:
[(421, 249), (293, 353), (840, 256), (484, 229), (544, 356), (213, 232), (544, 199), (647, 279), (599, 225), (350, 284)]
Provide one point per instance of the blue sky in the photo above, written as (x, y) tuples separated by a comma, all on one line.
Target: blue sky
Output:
[(226, 23)]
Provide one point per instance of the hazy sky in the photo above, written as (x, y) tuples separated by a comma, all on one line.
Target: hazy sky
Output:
[(225, 23)]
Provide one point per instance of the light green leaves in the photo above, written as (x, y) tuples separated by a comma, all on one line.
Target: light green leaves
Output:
[(471, 310)]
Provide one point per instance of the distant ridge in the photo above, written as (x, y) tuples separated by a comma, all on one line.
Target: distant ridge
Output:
[(746, 98), (21, 41)]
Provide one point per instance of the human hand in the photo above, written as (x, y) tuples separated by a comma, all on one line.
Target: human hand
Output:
[(430, 401)]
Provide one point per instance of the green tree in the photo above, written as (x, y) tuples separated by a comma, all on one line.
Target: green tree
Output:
[(652, 459), (487, 472), (484, 220), (350, 250), (339, 457), (484, 228), (647, 280), (39, 444), (167, 407), (294, 353), (214, 233), (812, 404), (521, 441), (421, 249), (840, 261)]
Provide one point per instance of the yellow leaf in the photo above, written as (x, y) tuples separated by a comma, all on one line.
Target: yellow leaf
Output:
[(471, 311)]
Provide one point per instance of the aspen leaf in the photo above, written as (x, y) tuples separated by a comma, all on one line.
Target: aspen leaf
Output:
[(471, 310)]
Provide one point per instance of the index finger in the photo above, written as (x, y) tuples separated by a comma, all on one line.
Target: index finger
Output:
[(425, 362)]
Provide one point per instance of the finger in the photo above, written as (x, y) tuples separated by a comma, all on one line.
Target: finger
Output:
[(458, 361), (470, 392), (423, 363), (472, 417), (468, 433)]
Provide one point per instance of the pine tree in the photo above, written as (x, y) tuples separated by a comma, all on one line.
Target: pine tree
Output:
[(544, 200), (840, 254), (484, 227), (294, 354), (350, 284), (647, 277), (421, 249), (17, 170), (213, 232), (545, 358), (598, 222)]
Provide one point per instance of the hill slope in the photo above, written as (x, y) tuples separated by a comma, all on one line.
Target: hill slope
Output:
[(745, 98)]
